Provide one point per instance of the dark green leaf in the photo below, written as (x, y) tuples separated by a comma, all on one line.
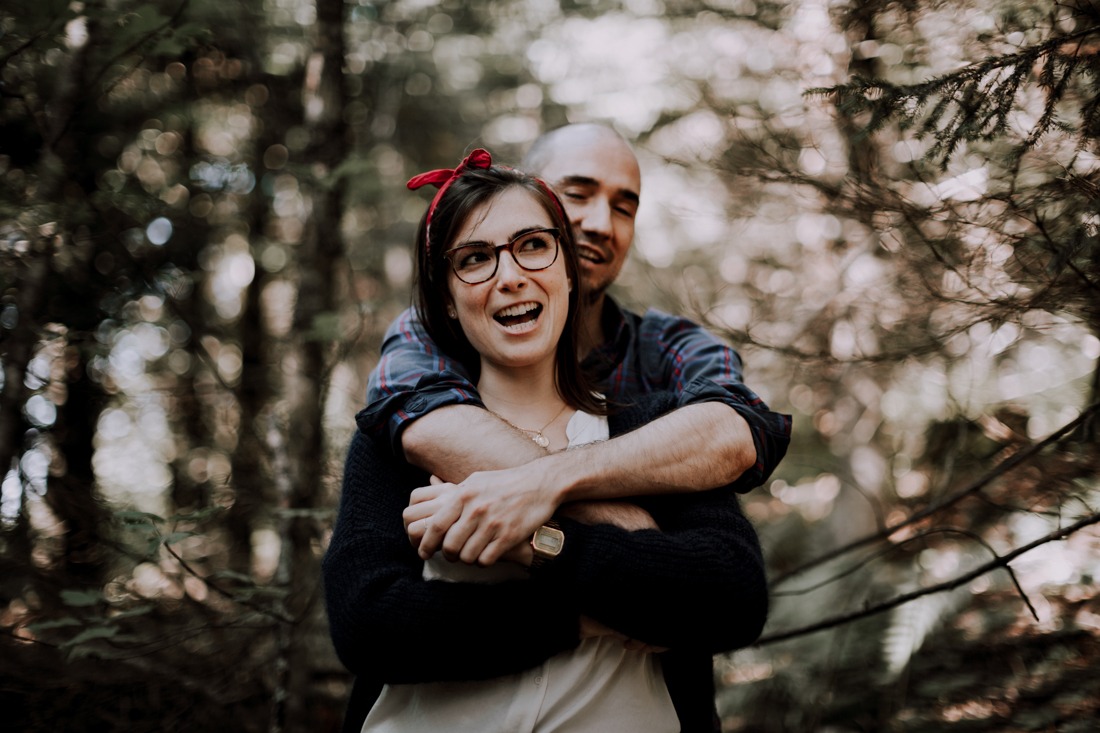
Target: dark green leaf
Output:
[(95, 632), (81, 598)]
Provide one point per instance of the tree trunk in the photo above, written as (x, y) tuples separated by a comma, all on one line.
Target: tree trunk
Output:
[(71, 496), (320, 254)]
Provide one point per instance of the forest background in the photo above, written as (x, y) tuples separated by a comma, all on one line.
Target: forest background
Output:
[(889, 209)]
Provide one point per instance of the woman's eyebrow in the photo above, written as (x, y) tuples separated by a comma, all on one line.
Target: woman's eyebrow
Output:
[(515, 234)]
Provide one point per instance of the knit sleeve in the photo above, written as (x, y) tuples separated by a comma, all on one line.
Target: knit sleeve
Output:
[(698, 583), (389, 624)]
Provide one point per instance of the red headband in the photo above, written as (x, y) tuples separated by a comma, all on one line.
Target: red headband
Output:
[(442, 178)]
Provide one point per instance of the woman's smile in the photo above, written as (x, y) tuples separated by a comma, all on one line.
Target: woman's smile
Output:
[(519, 318)]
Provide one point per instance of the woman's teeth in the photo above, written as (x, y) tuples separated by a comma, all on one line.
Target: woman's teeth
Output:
[(515, 315)]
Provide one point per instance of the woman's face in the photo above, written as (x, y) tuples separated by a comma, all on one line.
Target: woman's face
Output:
[(516, 317)]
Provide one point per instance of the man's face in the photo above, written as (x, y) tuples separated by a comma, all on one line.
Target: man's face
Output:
[(598, 179)]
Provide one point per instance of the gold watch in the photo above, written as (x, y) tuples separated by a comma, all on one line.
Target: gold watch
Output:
[(547, 543)]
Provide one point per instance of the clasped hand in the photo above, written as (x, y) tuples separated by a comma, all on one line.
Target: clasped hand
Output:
[(490, 515)]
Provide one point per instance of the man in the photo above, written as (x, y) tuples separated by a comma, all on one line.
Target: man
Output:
[(424, 406), (504, 485)]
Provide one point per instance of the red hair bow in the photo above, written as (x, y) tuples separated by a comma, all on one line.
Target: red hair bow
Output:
[(442, 178)]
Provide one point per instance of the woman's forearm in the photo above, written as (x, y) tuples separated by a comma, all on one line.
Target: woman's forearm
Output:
[(390, 624), (697, 584)]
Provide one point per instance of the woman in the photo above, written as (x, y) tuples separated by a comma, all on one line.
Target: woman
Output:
[(481, 649)]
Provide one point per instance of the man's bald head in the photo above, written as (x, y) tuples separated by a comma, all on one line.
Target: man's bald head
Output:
[(596, 174), (580, 134)]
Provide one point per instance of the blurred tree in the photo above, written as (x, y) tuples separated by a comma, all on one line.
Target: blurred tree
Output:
[(967, 202), (104, 277)]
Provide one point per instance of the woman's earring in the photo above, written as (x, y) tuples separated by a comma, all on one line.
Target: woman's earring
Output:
[(451, 312)]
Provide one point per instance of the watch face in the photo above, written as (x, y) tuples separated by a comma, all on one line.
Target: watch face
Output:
[(548, 540)]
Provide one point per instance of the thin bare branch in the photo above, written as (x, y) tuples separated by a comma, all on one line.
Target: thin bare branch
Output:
[(887, 550), (278, 616), (975, 486), (951, 584)]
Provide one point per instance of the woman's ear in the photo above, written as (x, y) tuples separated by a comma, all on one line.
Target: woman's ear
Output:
[(570, 281), (451, 313)]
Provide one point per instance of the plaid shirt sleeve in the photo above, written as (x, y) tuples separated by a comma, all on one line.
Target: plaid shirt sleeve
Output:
[(687, 359), (413, 377)]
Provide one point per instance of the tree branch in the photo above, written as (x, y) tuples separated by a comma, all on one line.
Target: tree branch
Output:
[(977, 485), (920, 536), (938, 588), (277, 615), (64, 126)]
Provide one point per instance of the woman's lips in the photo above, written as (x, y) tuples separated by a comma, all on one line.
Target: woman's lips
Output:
[(518, 315)]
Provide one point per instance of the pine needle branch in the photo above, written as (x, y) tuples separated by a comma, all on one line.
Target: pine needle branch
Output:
[(974, 102)]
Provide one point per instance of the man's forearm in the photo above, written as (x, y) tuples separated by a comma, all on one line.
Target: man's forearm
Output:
[(694, 448), (454, 441)]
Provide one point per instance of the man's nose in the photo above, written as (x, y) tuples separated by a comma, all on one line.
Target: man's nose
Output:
[(597, 219)]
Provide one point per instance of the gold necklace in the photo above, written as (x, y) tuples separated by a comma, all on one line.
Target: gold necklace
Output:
[(536, 435)]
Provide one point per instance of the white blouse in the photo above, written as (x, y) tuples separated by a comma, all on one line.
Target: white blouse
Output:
[(597, 687)]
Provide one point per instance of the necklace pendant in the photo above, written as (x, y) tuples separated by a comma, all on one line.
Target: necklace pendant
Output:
[(541, 440)]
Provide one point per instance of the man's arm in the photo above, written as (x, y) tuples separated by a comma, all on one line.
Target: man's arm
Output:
[(454, 441), (422, 403), (694, 448), (677, 355), (414, 382), (412, 379)]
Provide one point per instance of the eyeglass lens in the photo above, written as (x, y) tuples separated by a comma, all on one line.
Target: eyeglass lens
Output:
[(476, 263)]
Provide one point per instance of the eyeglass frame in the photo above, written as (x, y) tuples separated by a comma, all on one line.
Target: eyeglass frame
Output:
[(510, 246)]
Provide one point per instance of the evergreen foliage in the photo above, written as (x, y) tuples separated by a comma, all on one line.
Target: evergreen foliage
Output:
[(976, 103)]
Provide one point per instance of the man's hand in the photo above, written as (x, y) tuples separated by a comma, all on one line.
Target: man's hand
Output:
[(480, 519)]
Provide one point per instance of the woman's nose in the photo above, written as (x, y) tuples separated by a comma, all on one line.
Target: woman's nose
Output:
[(509, 274)]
